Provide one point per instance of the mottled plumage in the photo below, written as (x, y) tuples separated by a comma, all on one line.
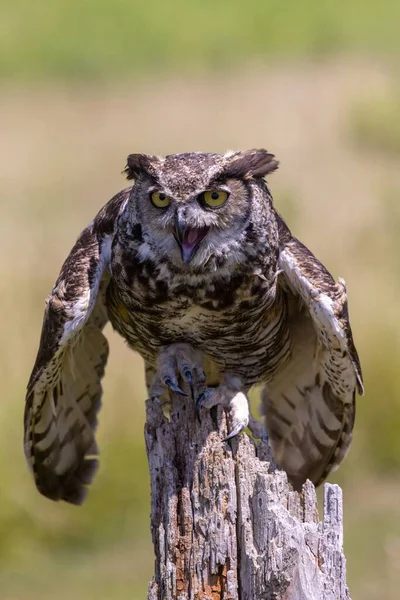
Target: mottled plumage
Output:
[(197, 271)]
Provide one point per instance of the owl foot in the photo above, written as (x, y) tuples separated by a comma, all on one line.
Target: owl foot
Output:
[(174, 362), (228, 395)]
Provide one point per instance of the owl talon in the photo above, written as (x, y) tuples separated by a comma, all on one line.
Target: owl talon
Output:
[(178, 364), (199, 401), (202, 398), (201, 377), (187, 374), (173, 385), (235, 431), (229, 396), (238, 415)]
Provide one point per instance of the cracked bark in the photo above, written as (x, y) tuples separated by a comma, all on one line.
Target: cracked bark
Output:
[(225, 523)]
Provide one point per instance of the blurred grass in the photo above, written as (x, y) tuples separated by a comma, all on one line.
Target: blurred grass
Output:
[(102, 39), (374, 124), (61, 161)]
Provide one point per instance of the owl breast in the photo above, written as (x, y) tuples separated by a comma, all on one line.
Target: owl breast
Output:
[(238, 320)]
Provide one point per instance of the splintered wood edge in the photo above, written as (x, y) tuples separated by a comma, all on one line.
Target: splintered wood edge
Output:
[(321, 572)]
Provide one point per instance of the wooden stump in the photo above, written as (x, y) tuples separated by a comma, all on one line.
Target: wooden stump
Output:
[(225, 522)]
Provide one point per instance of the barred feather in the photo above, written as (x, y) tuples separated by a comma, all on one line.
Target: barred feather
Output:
[(310, 403), (64, 391)]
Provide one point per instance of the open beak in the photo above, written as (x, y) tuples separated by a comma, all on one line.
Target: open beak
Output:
[(188, 238)]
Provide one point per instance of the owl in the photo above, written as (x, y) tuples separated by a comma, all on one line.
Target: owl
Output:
[(201, 276)]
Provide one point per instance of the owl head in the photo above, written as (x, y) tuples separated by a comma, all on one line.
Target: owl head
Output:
[(200, 210)]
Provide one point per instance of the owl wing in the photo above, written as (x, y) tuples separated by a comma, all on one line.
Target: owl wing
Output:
[(310, 405), (64, 390)]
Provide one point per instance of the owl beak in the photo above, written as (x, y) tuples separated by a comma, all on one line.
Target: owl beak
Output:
[(188, 239)]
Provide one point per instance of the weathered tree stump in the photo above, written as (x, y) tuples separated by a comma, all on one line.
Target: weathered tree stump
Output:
[(225, 522)]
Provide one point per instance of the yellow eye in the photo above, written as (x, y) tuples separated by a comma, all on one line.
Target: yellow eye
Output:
[(215, 198), (160, 200)]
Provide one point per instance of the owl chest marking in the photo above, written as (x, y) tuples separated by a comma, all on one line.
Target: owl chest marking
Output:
[(237, 320)]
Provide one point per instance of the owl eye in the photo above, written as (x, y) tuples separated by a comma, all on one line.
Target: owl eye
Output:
[(160, 200), (214, 198)]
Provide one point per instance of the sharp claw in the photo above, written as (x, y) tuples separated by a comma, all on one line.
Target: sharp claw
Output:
[(235, 431), (174, 386), (187, 374), (199, 401)]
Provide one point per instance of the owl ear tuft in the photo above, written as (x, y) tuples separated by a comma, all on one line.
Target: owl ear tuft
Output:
[(252, 163), (137, 164)]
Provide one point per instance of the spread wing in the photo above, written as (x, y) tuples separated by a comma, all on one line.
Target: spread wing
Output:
[(310, 405), (64, 390)]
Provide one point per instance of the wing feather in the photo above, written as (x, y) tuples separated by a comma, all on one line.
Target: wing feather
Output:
[(310, 405), (64, 390)]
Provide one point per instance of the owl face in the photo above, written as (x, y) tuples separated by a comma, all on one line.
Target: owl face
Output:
[(195, 209)]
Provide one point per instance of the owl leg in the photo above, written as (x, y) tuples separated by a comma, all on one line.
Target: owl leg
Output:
[(229, 395), (177, 361)]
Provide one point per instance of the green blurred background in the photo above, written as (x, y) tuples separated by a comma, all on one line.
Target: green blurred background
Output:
[(84, 83)]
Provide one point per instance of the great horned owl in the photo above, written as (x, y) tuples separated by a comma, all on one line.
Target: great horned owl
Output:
[(197, 271)]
